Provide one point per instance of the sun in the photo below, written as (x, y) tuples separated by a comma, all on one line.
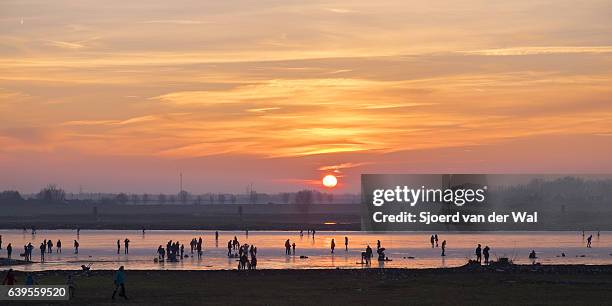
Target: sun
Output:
[(330, 181)]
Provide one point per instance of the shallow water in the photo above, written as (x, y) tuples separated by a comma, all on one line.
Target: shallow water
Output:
[(98, 247)]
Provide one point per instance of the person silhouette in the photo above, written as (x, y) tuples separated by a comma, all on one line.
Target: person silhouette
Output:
[(118, 246), (346, 243), (589, 241), (443, 248), (293, 246), (478, 253), (120, 283), (9, 251), (42, 252), (58, 246), (126, 247), (287, 247), (532, 255), (76, 247), (432, 239), (485, 252), (333, 246)]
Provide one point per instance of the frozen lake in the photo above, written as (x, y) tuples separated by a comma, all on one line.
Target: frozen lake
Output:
[(98, 247)]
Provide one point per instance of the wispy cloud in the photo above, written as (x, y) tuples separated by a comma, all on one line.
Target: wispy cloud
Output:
[(540, 50), (174, 21)]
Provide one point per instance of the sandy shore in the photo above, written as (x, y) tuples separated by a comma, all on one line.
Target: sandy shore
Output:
[(520, 285)]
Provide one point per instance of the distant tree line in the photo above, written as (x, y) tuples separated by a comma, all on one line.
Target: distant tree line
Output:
[(52, 194)]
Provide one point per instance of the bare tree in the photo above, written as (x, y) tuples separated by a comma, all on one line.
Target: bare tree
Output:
[(52, 194), (122, 198), (10, 196)]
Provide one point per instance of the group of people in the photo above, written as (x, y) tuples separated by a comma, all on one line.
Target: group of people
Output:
[(308, 232), (232, 247), (196, 245), (175, 251), (244, 252), (480, 252), (126, 246), (434, 243)]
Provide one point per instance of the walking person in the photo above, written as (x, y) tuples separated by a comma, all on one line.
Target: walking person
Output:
[(589, 241), (443, 248), (120, 283)]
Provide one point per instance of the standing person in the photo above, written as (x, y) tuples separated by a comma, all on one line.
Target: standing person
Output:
[(485, 252), (42, 252), (0, 242), (9, 251), (478, 253), (30, 250), (216, 235), (287, 247), (120, 283), (199, 249), (432, 239), (118, 246), (293, 246), (126, 246), (346, 243), (76, 247), (589, 241), (443, 248), (49, 246), (436, 238), (25, 253), (377, 245), (182, 250), (333, 246), (313, 233), (58, 246), (229, 248)]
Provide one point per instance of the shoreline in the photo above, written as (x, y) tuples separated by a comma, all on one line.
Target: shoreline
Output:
[(556, 284)]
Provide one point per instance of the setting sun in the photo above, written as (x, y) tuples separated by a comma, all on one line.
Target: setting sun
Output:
[(330, 181)]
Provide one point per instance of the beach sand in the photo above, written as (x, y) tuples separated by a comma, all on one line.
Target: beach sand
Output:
[(555, 285)]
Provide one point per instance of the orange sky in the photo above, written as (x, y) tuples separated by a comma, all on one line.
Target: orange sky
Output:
[(121, 96)]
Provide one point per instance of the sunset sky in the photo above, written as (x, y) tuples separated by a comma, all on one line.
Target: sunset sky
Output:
[(123, 95)]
